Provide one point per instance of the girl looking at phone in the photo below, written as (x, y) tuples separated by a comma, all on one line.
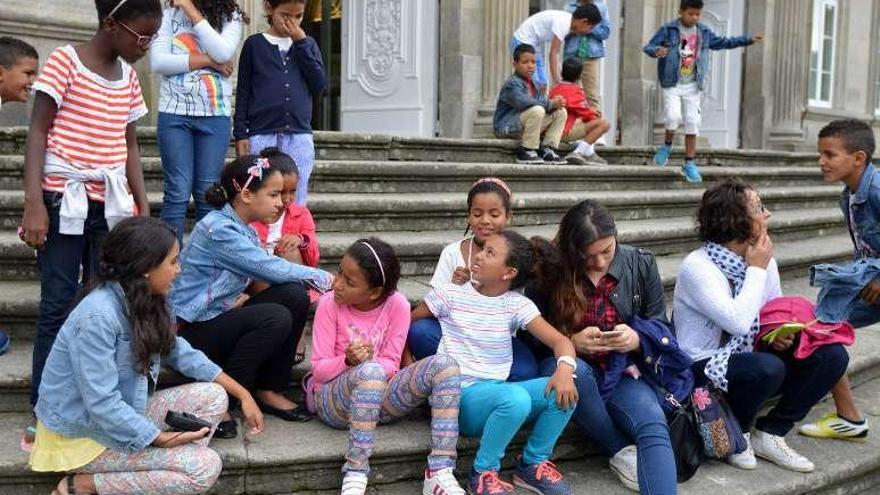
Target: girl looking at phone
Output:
[(591, 287)]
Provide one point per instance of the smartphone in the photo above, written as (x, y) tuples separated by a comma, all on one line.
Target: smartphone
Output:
[(612, 334)]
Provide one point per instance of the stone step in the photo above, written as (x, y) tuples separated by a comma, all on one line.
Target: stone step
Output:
[(418, 251), (19, 306), (841, 467), (371, 147), (19, 299), (304, 458), (360, 212), (362, 176)]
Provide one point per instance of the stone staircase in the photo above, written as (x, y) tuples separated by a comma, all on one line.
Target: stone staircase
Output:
[(411, 192)]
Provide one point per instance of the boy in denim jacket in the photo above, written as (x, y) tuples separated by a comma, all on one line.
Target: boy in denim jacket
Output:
[(524, 112), (845, 151), (681, 48)]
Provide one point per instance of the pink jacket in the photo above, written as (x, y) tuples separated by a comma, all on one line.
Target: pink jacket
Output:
[(335, 326), (297, 221), (795, 309)]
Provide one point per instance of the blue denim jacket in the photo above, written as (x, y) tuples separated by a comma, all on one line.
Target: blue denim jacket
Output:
[(866, 213), (596, 38), (91, 386), (222, 257), (513, 99), (669, 36), (841, 287)]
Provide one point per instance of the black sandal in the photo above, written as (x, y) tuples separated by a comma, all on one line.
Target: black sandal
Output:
[(298, 414), (226, 429), (71, 486)]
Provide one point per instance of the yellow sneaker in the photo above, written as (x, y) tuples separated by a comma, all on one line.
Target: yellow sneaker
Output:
[(833, 426)]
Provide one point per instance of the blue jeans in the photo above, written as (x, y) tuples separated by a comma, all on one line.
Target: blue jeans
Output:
[(755, 377), (424, 338), (864, 314), (632, 413), (59, 262), (496, 410), (193, 151)]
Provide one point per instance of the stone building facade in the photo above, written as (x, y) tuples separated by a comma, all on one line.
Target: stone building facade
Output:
[(433, 67)]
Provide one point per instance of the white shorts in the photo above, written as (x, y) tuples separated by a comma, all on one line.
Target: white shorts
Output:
[(682, 101)]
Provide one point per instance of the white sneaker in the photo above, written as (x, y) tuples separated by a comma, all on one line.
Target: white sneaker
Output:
[(774, 449), (354, 483), (625, 465), (745, 459), (442, 482)]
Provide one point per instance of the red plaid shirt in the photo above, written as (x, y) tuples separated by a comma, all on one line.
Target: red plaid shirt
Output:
[(600, 311)]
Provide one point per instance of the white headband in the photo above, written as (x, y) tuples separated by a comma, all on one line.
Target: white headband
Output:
[(120, 4), (376, 255)]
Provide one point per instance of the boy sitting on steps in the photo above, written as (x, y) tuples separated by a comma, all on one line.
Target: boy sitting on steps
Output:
[(523, 112), (584, 125)]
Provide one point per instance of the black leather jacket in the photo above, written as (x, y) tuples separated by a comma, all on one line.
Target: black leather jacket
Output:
[(639, 292)]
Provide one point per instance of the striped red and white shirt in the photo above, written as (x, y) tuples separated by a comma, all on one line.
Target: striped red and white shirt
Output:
[(89, 127)]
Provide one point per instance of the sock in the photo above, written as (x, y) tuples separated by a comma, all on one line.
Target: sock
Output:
[(585, 148), (690, 159), (850, 420)]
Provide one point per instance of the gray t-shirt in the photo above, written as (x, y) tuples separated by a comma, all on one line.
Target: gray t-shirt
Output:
[(688, 51)]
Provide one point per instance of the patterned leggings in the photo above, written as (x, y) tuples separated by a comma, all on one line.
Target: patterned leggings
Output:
[(185, 469), (361, 397)]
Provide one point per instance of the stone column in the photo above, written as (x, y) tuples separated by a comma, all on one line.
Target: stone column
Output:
[(790, 73), (500, 20)]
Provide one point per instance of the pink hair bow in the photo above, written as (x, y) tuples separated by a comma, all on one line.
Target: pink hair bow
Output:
[(255, 170)]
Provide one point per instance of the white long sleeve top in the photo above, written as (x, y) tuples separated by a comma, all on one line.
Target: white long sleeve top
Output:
[(200, 92), (704, 307)]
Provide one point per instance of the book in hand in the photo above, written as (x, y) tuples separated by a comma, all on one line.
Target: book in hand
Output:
[(784, 331)]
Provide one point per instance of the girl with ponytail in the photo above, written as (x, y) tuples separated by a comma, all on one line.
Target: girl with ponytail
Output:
[(254, 338), (100, 417)]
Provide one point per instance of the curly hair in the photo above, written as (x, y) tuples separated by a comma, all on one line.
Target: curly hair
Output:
[(134, 247), (218, 12), (723, 214)]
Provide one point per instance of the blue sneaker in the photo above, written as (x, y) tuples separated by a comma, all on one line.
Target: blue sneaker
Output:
[(4, 342), (542, 478), (662, 155), (488, 483), (691, 172)]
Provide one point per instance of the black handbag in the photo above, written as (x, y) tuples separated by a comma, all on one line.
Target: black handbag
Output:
[(684, 433), (687, 445)]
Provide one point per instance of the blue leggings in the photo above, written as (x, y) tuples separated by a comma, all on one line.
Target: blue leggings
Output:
[(424, 337), (495, 411)]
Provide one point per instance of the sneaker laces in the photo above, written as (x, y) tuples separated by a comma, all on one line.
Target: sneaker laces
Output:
[(785, 449), (491, 481), (548, 470), (447, 481)]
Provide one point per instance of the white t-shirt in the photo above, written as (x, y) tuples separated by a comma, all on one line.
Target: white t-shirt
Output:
[(704, 309), (274, 234), (450, 259), (283, 44), (477, 328), (543, 26)]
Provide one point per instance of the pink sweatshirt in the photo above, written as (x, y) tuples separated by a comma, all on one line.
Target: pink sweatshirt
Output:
[(336, 325)]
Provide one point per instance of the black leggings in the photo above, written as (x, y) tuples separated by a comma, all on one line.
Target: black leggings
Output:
[(256, 343)]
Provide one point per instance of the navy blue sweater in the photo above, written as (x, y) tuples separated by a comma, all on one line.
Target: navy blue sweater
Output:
[(274, 97)]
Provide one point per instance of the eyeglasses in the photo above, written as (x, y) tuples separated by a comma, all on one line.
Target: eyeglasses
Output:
[(142, 41)]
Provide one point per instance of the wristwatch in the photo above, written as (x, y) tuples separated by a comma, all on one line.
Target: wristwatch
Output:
[(567, 360)]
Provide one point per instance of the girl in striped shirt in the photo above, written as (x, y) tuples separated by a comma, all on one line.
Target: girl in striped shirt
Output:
[(82, 169), (478, 319)]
